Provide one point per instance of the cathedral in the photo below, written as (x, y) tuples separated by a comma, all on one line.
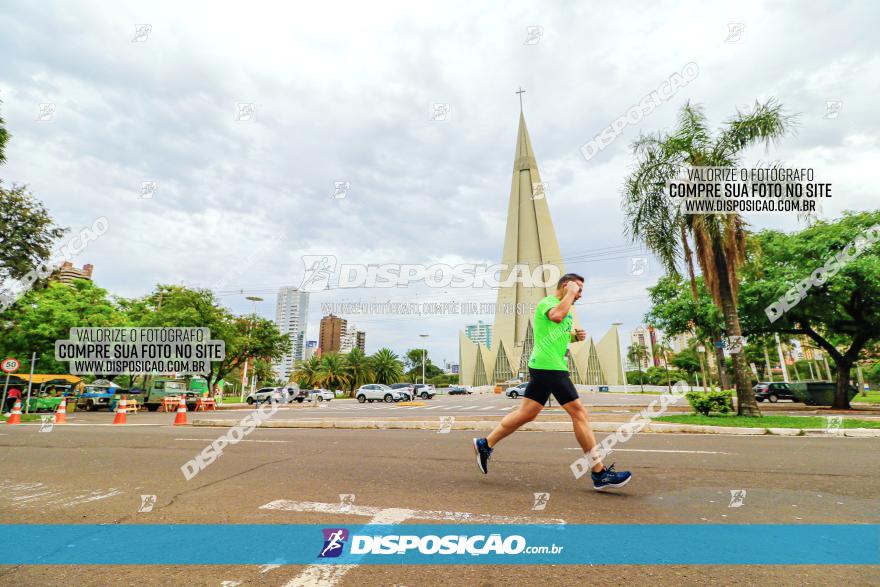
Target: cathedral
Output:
[(531, 240)]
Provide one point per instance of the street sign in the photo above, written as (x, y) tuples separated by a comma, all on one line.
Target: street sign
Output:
[(10, 365)]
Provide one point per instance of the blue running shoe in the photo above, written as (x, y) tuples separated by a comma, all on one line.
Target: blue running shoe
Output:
[(608, 478), (481, 447)]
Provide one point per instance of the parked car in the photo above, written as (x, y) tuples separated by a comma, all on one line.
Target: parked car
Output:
[(321, 395), (773, 392), (406, 389), (515, 392), (265, 394), (95, 397), (377, 392), (458, 390), (424, 391), (288, 393)]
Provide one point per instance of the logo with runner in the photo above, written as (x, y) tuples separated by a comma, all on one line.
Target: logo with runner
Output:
[(334, 540), (10, 365)]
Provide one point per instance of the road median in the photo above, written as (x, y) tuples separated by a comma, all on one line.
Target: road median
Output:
[(652, 428)]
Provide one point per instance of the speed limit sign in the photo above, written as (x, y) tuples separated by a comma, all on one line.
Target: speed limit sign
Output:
[(10, 365)]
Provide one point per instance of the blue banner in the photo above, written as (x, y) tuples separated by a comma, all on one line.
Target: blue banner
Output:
[(423, 544)]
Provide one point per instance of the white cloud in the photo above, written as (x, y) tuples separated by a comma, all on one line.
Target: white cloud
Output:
[(342, 93)]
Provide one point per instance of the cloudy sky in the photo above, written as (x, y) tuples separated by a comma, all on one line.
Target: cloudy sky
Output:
[(344, 92)]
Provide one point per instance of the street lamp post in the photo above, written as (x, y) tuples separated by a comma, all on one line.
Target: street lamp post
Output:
[(423, 359), (244, 372)]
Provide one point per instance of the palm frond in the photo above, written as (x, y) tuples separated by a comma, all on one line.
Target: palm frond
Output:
[(766, 123)]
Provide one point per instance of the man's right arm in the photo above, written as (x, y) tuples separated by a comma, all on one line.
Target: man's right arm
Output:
[(558, 312)]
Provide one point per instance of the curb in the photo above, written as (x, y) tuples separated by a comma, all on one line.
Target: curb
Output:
[(537, 427)]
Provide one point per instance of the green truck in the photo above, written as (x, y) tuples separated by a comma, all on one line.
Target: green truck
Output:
[(161, 388)]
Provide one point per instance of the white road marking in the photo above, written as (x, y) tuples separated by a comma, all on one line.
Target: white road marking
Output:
[(47, 496), (330, 575), (696, 452), (242, 440), (488, 408), (267, 568), (433, 515)]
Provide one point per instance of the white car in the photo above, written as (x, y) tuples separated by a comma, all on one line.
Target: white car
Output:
[(377, 392), (266, 394), (322, 395)]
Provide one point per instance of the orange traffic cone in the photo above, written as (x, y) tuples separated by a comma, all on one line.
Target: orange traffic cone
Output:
[(61, 412), (120, 412), (15, 416), (180, 418)]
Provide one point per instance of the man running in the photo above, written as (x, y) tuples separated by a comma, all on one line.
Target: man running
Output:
[(548, 371)]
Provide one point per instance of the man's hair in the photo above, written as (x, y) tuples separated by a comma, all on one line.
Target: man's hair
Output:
[(568, 277)]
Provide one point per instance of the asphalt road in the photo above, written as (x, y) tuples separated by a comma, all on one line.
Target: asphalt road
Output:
[(602, 406), (97, 474)]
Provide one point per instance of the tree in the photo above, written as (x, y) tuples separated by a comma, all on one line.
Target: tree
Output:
[(675, 309), (358, 368), (636, 353), (386, 367), (663, 349), (719, 239), (28, 233), (840, 312), (413, 363), (4, 138), (28, 230), (244, 336), (305, 373), (687, 360), (333, 371), (40, 317)]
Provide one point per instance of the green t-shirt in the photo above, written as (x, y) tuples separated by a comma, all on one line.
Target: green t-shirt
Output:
[(551, 339)]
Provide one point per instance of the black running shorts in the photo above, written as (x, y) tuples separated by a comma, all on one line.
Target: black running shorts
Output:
[(543, 382)]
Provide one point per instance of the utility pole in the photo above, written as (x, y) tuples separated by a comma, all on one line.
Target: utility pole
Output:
[(767, 362), (30, 383)]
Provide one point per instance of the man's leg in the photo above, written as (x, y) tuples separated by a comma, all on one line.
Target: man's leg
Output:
[(583, 431), (527, 411)]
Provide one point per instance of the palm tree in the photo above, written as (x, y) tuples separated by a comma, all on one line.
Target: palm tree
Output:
[(663, 349), (386, 367), (333, 372), (635, 354), (358, 368), (305, 373), (719, 239)]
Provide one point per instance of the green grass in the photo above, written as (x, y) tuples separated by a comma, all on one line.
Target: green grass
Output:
[(873, 397), (765, 421), (28, 417)]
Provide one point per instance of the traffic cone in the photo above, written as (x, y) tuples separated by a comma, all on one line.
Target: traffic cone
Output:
[(120, 412), (180, 418), (61, 412), (15, 416)]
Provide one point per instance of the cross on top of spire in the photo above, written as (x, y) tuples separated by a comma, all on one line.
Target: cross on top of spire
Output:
[(520, 92)]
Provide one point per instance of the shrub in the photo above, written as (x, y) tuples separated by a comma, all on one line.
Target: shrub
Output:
[(704, 402)]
